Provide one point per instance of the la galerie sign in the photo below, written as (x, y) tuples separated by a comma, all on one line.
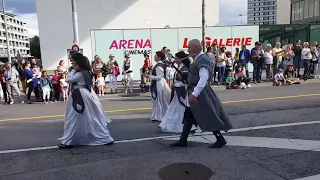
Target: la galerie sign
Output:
[(143, 45)]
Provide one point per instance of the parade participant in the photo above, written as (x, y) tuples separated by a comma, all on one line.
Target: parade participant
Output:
[(204, 107), (160, 91), (86, 122), (172, 120)]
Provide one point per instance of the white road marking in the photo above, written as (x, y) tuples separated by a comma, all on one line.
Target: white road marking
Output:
[(315, 177), (206, 134)]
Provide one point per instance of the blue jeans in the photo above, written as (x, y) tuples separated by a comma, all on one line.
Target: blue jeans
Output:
[(257, 68), (220, 71)]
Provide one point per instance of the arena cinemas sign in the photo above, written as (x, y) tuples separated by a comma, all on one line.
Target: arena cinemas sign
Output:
[(132, 46), (227, 42)]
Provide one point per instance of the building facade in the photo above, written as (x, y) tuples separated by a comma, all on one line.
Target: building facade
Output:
[(56, 33), (305, 11), (268, 12), (18, 37)]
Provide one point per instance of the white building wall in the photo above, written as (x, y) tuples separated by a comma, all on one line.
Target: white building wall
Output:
[(55, 27), (283, 11)]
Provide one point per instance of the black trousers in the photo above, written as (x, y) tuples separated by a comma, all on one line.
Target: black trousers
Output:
[(5, 91), (188, 121)]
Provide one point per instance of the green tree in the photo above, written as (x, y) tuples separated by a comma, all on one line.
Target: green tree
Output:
[(35, 47)]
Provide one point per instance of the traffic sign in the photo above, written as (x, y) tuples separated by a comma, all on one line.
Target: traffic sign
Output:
[(75, 48)]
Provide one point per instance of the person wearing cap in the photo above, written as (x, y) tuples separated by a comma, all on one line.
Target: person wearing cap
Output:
[(257, 60), (11, 77), (279, 78)]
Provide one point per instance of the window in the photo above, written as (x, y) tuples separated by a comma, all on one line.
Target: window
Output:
[(301, 9), (316, 8), (311, 8), (306, 9)]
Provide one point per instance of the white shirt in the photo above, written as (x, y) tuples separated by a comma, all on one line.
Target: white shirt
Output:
[(204, 76), (100, 81), (221, 63), (63, 83), (170, 73), (242, 56), (305, 54), (268, 57)]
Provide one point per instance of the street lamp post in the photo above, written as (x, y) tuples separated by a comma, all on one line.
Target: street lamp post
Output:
[(203, 25), (6, 29), (241, 17), (75, 22)]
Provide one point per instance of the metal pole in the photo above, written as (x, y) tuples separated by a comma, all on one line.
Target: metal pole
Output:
[(203, 25), (6, 29), (75, 22)]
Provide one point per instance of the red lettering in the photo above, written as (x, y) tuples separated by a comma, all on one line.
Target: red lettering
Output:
[(236, 42), (147, 44), (139, 44), (248, 41), (208, 40), (122, 44), (221, 43), (185, 43), (114, 45), (215, 41), (229, 42), (242, 41), (130, 44)]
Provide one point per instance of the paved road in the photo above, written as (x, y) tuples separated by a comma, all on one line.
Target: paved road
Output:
[(276, 136)]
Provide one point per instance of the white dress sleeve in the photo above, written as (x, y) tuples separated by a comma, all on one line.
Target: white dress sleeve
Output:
[(160, 74)]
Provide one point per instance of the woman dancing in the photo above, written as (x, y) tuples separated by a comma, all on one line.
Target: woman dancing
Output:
[(172, 120), (86, 122)]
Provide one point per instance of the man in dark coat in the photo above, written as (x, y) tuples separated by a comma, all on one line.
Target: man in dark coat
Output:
[(204, 107)]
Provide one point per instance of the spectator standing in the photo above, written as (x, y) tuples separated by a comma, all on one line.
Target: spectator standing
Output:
[(257, 60), (244, 58), (306, 56), (11, 77), (45, 86), (297, 59), (269, 61)]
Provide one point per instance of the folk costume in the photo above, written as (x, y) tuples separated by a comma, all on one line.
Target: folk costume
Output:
[(86, 122), (208, 112), (172, 120), (160, 92)]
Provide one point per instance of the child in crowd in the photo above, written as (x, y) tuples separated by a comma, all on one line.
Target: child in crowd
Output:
[(64, 87), (45, 86), (229, 63), (170, 74), (36, 70), (100, 83), (56, 85), (279, 79), (290, 74), (229, 81)]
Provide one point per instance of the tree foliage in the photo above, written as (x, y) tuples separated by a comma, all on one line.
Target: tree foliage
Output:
[(35, 47)]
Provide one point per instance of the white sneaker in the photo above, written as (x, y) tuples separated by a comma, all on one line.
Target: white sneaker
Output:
[(12, 102), (99, 95), (102, 94), (22, 102), (248, 85)]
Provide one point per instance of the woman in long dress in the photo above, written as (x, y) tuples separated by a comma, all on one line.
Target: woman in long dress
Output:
[(86, 122), (172, 120), (160, 91)]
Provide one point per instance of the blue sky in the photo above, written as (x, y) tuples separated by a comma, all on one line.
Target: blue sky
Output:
[(26, 10)]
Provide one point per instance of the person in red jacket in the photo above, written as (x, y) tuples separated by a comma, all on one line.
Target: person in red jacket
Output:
[(147, 61)]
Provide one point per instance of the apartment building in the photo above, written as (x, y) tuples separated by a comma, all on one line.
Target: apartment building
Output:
[(269, 11), (18, 37)]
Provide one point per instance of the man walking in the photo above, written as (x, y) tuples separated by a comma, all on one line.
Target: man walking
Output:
[(204, 107), (11, 77)]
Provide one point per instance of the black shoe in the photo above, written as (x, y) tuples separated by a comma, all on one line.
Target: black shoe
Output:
[(110, 143), (219, 143), (178, 144), (63, 146)]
